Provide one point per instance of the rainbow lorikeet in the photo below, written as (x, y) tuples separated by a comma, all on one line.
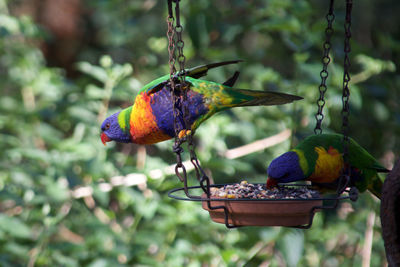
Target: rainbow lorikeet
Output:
[(319, 159), (150, 119)]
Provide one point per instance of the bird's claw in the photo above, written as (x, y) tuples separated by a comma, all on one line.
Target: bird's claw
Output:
[(184, 133)]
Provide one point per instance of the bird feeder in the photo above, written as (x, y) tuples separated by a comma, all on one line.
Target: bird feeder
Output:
[(235, 212)]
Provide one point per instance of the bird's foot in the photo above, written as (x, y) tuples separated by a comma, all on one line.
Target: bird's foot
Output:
[(184, 133)]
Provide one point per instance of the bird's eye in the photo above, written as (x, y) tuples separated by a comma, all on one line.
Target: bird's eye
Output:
[(107, 126)]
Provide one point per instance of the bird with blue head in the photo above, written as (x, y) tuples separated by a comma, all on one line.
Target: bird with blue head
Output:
[(151, 118), (319, 159)]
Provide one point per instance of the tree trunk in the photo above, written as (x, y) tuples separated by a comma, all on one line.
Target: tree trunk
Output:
[(390, 215)]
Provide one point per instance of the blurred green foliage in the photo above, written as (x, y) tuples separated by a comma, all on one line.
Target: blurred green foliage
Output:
[(66, 200)]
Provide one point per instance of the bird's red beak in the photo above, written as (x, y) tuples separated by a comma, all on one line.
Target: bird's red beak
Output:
[(104, 138), (271, 183)]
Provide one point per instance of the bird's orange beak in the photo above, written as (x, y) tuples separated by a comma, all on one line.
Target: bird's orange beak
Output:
[(271, 183), (104, 138)]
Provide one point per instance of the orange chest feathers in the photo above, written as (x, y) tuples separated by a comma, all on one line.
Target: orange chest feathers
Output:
[(143, 126), (328, 165)]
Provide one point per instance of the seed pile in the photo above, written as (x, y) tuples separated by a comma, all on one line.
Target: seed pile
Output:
[(259, 191)]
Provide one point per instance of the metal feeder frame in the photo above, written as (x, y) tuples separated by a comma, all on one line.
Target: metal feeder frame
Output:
[(352, 194)]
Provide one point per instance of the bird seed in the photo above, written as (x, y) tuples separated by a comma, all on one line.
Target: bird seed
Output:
[(247, 190)]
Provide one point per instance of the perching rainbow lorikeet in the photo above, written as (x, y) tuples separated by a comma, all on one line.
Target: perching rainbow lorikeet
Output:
[(318, 159), (150, 119)]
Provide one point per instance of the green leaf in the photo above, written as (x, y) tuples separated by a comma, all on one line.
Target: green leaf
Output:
[(293, 246), (8, 24), (57, 190), (99, 263), (14, 226), (96, 72)]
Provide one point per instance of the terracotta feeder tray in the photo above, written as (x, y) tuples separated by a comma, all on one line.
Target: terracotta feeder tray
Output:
[(264, 213), (245, 204), (254, 205)]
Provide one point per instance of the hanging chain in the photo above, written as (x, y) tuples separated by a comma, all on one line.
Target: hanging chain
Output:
[(179, 99), (346, 81), (181, 60), (171, 44), (175, 42), (319, 116), (182, 73), (172, 60), (180, 43), (346, 172), (174, 91)]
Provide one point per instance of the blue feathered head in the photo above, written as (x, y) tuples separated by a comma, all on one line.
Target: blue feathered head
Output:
[(285, 169), (111, 131)]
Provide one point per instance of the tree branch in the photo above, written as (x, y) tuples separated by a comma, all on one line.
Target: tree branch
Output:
[(258, 145), (390, 215)]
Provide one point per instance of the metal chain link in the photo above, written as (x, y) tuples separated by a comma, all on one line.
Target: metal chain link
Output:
[(182, 73), (172, 70), (175, 43), (346, 80), (319, 116), (172, 60), (345, 178), (171, 51), (180, 43)]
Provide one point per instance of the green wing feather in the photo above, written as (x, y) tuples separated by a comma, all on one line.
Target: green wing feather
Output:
[(155, 83), (219, 97), (375, 187), (195, 72), (222, 96)]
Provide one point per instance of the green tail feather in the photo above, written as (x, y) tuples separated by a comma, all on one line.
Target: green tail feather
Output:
[(262, 98), (375, 187)]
